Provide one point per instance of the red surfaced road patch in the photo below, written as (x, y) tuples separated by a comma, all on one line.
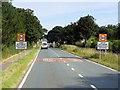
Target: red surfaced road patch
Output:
[(59, 59)]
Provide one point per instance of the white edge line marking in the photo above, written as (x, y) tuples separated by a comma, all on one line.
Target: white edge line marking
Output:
[(95, 63), (103, 66), (93, 87), (68, 64), (26, 75), (72, 69), (80, 76)]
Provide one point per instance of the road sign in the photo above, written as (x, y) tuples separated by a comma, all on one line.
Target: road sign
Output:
[(102, 45), (102, 37), (21, 37), (21, 45)]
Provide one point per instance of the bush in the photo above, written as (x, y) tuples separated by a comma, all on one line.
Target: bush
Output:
[(79, 43), (116, 46), (91, 42), (9, 51)]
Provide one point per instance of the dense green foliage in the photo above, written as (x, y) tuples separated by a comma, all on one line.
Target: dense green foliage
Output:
[(85, 33), (16, 21)]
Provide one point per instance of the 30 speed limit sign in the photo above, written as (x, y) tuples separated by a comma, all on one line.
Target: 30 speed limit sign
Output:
[(102, 37), (21, 37)]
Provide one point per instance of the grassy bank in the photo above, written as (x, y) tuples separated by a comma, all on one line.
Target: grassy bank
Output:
[(14, 73), (109, 59), (9, 51)]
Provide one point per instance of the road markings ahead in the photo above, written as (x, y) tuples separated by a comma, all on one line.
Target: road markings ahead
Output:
[(80, 76), (57, 60), (72, 69), (68, 64), (55, 53), (93, 87)]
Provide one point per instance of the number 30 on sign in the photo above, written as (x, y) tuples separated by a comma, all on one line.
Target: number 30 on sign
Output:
[(102, 37), (21, 37)]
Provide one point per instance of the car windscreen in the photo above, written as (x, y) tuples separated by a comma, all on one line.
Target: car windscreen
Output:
[(44, 43)]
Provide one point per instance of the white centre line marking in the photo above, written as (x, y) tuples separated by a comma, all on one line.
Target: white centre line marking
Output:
[(55, 53), (68, 64), (93, 87), (72, 69), (80, 76)]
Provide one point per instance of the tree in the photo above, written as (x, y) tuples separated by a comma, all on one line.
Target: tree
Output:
[(44, 30), (19, 20), (69, 33), (118, 32), (86, 27), (56, 34)]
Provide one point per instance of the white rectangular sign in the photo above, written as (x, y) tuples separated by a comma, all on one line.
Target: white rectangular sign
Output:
[(21, 45), (102, 45)]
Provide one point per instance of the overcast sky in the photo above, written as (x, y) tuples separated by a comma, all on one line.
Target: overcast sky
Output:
[(51, 14)]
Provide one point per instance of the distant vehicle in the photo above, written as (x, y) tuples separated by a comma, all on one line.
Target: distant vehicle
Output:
[(44, 45)]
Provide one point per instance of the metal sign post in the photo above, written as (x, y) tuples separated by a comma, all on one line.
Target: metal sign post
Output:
[(105, 52), (102, 44), (21, 44)]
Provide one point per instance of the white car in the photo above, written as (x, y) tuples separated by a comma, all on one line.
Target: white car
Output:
[(44, 45)]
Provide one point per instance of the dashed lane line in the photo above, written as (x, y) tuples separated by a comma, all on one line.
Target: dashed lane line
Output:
[(55, 53), (94, 62), (68, 64), (72, 69), (93, 87), (80, 76)]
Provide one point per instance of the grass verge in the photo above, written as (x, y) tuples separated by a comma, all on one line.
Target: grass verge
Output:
[(109, 59), (7, 52), (14, 73)]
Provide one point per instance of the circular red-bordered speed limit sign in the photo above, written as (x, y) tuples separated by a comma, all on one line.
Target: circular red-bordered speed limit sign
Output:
[(102, 37), (21, 37)]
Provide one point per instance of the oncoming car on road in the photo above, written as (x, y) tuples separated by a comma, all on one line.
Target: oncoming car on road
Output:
[(44, 45)]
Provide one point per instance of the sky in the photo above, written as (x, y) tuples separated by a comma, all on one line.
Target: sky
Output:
[(62, 13)]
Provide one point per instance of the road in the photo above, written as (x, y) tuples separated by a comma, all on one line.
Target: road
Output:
[(55, 68)]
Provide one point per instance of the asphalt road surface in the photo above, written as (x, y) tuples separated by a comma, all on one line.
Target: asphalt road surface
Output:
[(55, 68)]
